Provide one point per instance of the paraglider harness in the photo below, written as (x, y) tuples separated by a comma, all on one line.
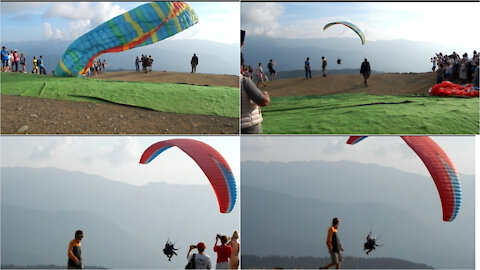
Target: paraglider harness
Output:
[(169, 250), (370, 244)]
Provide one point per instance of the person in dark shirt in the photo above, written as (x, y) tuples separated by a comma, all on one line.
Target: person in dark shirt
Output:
[(194, 63), (365, 71), (75, 251)]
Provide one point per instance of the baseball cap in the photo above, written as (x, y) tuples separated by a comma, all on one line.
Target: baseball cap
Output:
[(201, 245)]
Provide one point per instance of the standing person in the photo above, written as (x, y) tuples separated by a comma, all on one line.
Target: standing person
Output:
[(104, 65), (35, 65), (194, 63), (252, 99), (324, 66), (199, 260), (365, 71), (40, 65), (23, 63), (150, 63), (271, 70), (334, 246), (440, 73), (434, 62), (234, 260), (10, 61), (75, 251), (137, 64), (16, 59), (4, 59), (259, 74), (223, 252), (308, 72), (475, 75)]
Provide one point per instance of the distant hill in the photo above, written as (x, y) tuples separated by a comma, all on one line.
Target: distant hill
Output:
[(384, 55), (169, 55), (271, 262), (291, 206), (125, 226)]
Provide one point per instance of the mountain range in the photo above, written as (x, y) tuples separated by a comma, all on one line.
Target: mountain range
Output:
[(169, 55), (125, 226), (383, 55), (289, 207)]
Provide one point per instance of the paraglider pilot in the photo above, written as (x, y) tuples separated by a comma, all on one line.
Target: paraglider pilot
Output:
[(169, 250), (370, 244)]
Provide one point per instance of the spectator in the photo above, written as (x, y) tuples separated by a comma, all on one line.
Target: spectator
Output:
[(223, 252)]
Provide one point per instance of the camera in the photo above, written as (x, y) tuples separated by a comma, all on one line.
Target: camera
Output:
[(218, 235)]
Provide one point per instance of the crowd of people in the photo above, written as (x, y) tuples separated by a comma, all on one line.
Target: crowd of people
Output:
[(259, 75), (227, 253), (98, 66), (456, 68), (13, 61), (145, 61)]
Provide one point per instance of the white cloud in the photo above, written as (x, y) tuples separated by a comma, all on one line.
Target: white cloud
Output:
[(261, 18), (81, 18), (96, 12)]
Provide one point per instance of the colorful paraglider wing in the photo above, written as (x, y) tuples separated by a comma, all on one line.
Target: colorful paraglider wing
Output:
[(143, 25), (355, 139), (351, 26), (209, 160), (442, 171)]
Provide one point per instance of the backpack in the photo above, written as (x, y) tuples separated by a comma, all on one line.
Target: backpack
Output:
[(270, 65), (191, 263)]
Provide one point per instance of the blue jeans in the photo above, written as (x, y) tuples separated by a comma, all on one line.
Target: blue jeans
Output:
[(308, 73)]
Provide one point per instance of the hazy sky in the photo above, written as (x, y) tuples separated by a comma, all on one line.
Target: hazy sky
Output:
[(437, 22), (390, 151), (25, 21), (116, 158)]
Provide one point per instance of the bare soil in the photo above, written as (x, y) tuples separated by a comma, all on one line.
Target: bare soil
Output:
[(378, 84), (29, 115)]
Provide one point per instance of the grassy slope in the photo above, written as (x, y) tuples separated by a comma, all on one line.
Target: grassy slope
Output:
[(340, 114), (177, 98)]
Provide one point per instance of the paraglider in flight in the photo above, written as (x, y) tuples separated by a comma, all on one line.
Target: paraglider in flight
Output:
[(143, 25), (349, 25), (169, 250), (209, 160), (370, 244), (441, 169)]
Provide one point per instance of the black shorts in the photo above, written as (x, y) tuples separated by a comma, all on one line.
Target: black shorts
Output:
[(271, 70)]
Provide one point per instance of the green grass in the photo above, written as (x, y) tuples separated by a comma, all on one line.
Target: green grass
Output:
[(341, 114), (176, 98)]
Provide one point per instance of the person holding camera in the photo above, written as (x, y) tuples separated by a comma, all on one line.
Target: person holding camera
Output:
[(223, 252), (198, 260)]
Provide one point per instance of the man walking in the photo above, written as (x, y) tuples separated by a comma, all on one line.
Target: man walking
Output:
[(334, 246), (75, 251)]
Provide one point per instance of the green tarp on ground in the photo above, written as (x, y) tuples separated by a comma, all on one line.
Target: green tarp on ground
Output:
[(176, 98), (370, 114)]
